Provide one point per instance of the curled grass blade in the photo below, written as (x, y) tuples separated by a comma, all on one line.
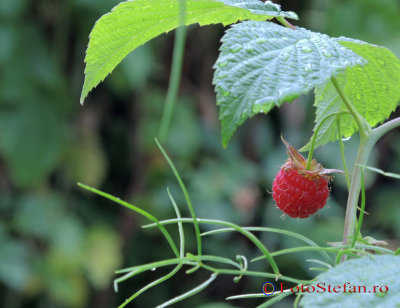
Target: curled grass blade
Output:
[(243, 266), (137, 210)]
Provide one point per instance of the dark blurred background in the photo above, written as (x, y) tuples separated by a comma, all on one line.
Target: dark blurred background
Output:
[(59, 245)]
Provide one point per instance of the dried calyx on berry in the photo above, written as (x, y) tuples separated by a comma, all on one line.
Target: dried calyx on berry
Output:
[(298, 191)]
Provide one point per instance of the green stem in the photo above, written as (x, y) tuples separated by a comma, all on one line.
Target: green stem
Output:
[(365, 148), (284, 22), (191, 260), (274, 300), (272, 230), (357, 117), (314, 138), (346, 172), (175, 76), (251, 273), (180, 227), (360, 220), (152, 284), (137, 210), (239, 229), (189, 293), (186, 195), (384, 128), (298, 249)]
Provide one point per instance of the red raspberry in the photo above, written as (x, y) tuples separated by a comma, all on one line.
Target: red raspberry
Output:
[(298, 191), (297, 195)]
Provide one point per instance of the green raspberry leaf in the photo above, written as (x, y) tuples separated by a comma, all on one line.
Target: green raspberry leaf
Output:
[(373, 90), (380, 271), (133, 23), (262, 65)]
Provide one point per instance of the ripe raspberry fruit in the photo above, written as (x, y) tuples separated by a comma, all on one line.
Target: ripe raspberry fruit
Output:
[(299, 192)]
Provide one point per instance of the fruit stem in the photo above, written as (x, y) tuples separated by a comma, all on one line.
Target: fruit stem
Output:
[(361, 123), (346, 172), (314, 137)]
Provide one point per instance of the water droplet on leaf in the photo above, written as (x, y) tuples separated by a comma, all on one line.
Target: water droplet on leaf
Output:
[(285, 55), (346, 139), (306, 49), (308, 67)]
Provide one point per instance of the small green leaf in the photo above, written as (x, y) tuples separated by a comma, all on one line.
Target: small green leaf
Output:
[(373, 90), (379, 271), (262, 65), (133, 23)]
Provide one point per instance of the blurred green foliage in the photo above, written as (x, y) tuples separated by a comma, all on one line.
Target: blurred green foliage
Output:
[(59, 246)]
